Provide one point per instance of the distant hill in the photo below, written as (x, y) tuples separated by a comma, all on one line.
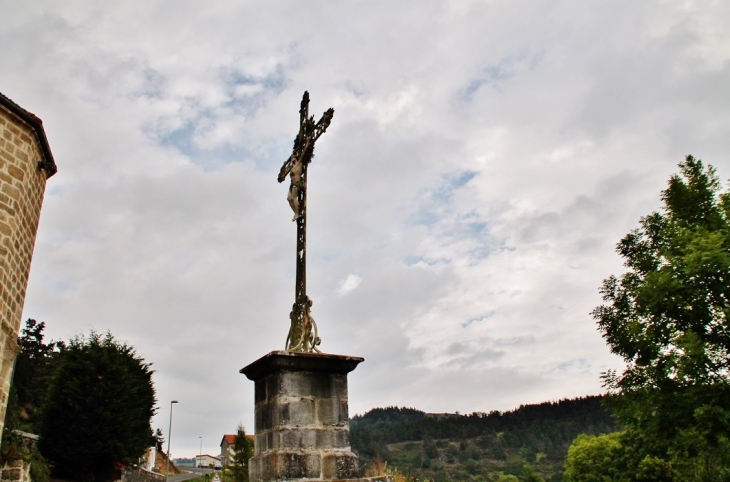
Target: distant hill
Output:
[(460, 447)]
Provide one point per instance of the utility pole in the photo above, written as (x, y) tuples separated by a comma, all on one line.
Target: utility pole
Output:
[(169, 436)]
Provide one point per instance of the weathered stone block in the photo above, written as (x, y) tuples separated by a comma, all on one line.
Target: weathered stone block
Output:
[(294, 465), (298, 412), (273, 385), (263, 417), (254, 468), (285, 465), (270, 439), (339, 466), (332, 412), (338, 438), (260, 392), (314, 384), (298, 439), (259, 443)]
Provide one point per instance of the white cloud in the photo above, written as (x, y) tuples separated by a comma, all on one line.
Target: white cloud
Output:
[(350, 283)]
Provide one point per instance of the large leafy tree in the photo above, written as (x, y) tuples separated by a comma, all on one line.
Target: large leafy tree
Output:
[(667, 317), (100, 402)]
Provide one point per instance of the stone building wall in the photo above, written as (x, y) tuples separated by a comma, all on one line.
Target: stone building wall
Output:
[(140, 475), (15, 471), (25, 164)]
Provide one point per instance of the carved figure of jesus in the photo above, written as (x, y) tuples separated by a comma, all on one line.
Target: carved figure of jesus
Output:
[(298, 184)]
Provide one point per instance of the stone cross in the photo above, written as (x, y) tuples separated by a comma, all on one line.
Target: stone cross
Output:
[(302, 335)]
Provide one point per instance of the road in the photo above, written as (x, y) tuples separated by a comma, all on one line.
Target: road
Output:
[(194, 472)]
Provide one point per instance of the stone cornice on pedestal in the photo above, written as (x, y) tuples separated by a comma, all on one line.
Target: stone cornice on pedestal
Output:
[(300, 362)]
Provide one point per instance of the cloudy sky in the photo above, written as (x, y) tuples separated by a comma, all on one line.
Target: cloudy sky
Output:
[(483, 161)]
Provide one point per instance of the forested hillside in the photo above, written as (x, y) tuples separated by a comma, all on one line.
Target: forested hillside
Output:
[(483, 445)]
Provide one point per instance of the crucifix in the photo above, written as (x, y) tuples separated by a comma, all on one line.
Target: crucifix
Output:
[(302, 335)]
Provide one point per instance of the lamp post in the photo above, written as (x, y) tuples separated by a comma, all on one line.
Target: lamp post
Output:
[(200, 459), (169, 436)]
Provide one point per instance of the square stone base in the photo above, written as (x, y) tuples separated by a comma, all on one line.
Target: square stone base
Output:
[(301, 428)]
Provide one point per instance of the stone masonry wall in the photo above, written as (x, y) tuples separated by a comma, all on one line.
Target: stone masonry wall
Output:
[(15, 471), (22, 186), (302, 429), (141, 475)]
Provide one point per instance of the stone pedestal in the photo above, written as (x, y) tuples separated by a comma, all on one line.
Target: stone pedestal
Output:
[(302, 429)]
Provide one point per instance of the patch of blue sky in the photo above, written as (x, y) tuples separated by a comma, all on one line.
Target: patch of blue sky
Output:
[(62, 286), (153, 84), (414, 260), (272, 84), (491, 75), (427, 217), (481, 252), (536, 59), (477, 319), (438, 198), (246, 96), (358, 92), (578, 364), (268, 158), (486, 245), (181, 139), (331, 255), (55, 190), (451, 182), (514, 340), (505, 69), (272, 157), (209, 159), (477, 228)]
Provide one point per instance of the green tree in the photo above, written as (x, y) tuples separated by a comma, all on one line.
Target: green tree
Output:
[(34, 366), (507, 478), (530, 474), (429, 448), (242, 452), (100, 403), (594, 458), (667, 317)]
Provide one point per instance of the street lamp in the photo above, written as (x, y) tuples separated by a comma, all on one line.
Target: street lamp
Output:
[(169, 436), (200, 460)]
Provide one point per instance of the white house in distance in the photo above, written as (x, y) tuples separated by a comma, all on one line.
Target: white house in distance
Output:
[(206, 460)]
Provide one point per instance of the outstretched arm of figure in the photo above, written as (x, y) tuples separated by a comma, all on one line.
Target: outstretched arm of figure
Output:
[(284, 171)]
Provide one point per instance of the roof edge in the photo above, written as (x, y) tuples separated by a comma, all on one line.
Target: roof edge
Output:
[(49, 164)]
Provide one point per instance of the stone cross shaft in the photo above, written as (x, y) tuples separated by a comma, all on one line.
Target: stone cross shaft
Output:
[(303, 336)]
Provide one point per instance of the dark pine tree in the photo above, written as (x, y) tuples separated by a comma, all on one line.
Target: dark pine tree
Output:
[(100, 403)]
